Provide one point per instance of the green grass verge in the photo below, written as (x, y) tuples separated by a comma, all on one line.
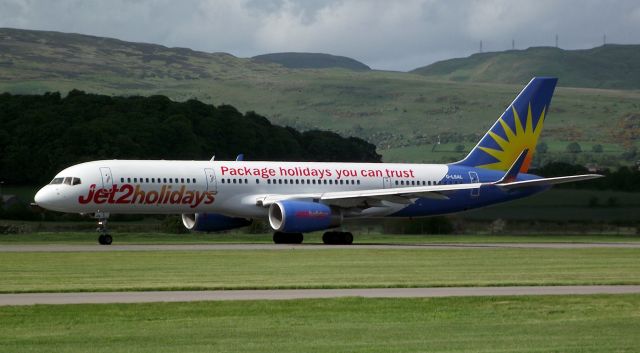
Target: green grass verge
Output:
[(313, 268), (479, 324), (86, 238)]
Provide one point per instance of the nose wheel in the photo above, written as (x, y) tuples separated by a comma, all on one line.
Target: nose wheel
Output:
[(104, 238)]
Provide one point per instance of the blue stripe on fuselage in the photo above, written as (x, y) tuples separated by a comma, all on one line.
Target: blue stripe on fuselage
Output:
[(464, 200)]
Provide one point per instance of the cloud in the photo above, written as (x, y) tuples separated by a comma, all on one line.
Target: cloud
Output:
[(398, 35)]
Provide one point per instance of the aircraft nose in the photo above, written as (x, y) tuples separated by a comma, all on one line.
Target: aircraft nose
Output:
[(43, 197)]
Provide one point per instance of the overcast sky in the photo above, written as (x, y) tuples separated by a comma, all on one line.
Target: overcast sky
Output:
[(394, 35)]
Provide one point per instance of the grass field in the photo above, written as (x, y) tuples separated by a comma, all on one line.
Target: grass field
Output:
[(313, 268), (311, 238), (480, 324)]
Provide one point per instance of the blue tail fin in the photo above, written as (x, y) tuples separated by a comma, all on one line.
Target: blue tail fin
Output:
[(517, 129)]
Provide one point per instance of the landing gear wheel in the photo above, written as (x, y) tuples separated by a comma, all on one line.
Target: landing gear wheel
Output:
[(337, 238), (287, 238), (105, 239)]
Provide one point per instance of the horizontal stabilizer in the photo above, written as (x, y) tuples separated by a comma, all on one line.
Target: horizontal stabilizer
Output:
[(547, 181), (512, 174)]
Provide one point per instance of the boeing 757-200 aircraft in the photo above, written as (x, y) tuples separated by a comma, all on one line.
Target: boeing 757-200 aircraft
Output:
[(300, 197)]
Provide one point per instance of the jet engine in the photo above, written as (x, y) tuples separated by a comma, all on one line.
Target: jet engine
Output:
[(211, 222), (292, 216)]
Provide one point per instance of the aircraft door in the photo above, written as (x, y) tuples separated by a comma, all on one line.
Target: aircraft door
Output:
[(386, 183), (473, 176), (212, 183), (107, 178)]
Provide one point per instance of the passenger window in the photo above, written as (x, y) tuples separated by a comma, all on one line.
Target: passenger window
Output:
[(188, 180), (128, 180), (182, 180), (194, 180), (358, 182), (257, 181), (223, 181), (246, 181), (146, 180), (396, 182), (279, 181), (76, 181), (122, 180), (135, 180)]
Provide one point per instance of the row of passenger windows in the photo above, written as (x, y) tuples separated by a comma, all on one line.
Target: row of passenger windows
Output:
[(160, 180), (427, 183), (337, 182), (66, 180), (293, 181)]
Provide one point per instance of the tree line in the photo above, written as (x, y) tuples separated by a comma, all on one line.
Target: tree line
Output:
[(42, 134), (623, 179)]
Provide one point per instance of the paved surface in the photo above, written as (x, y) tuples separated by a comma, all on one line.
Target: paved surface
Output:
[(284, 294), (199, 247)]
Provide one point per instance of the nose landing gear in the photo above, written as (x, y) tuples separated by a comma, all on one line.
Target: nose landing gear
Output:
[(104, 238)]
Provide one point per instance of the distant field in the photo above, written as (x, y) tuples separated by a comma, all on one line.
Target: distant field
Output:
[(481, 324), (314, 268)]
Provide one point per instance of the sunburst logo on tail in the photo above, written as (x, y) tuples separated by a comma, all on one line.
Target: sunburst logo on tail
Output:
[(514, 142)]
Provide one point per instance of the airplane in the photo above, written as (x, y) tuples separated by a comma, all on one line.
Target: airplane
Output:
[(302, 197)]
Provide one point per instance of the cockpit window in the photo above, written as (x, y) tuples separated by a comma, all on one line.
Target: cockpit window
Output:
[(76, 181), (67, 181), (56, 181)]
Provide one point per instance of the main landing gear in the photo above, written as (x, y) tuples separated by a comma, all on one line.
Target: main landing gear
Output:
[(104, 238), (337, 238), (287, 238)]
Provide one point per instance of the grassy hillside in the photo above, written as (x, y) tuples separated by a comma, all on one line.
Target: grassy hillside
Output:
[(311, 61), (402, 113), (608, 66)]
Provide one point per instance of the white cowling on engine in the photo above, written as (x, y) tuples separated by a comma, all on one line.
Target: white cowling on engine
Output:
[(212, 222), (292, 216)]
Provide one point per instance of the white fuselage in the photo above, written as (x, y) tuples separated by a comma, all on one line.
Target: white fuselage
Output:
[(230, 188)]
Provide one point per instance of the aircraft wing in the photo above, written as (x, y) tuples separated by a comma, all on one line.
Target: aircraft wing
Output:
[(547, 181), (407, 195), (372, 197)]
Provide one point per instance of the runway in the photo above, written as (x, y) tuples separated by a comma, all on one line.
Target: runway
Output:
[(288, 294), (265, 246)]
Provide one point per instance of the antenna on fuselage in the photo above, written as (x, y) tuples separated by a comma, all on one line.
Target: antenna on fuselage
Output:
[(240, 157), (213, 158)]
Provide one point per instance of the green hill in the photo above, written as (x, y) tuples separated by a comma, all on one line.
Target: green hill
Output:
[(403, 114), (608, 66), (311, 61)]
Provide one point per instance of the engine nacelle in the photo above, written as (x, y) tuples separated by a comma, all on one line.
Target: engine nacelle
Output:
[(211, 222), (291, 216)]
